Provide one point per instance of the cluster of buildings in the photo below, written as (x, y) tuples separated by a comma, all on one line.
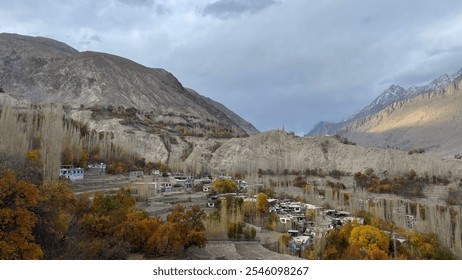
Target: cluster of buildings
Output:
[(305, 222), (302, 221), (292, 215)]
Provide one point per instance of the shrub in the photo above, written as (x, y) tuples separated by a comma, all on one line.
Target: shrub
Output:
[(249, 233), (409, 186), (337, 185), (454, 197), (416, 151), (369, 171), (315, 172), (299, 182), (343, 140), (325, 147), (235, 230), (337, 173), (33, 155), (412, 174)]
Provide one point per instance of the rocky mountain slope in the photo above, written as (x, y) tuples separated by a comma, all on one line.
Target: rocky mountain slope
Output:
[(427, 121), (326, 128), (41, 70), (150, 113), (417, 117)]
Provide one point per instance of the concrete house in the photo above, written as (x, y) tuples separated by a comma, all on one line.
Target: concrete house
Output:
[(72, 173)]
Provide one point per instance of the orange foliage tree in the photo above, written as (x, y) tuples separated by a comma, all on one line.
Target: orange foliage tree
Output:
[(262, 203), (99, 228), (113, 227), (370, 241), (354, 241), (186, 228), (51, 222), (17, 198)]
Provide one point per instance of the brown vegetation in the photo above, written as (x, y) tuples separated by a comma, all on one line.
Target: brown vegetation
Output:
[(454, 196), (416, 151), (17, 202), (49, 139), (225, 186), (147, 120), (344, 140), (228, 222), (406, 186), (50, 222)]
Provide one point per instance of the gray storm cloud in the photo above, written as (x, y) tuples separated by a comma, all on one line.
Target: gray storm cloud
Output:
[(232, 8)]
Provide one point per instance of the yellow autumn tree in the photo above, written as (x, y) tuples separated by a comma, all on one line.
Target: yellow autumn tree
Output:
[(371, 241), (17, 198), (224, 185), (83, 159), (337, 245), (33, 156), (249, 210), (262, 204), (422, 246), (283, 244)]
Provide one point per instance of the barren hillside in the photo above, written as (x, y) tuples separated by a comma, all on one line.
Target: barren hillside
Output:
[(429, 121), (41, 70), (279, 150)]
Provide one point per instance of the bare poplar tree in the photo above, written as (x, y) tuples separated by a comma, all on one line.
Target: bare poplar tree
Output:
[(52, 141), (13, 138)]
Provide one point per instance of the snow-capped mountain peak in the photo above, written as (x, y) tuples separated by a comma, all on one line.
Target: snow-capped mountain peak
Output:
[(390, 95)]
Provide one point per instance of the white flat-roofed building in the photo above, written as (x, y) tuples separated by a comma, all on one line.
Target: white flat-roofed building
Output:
[(72, 173)]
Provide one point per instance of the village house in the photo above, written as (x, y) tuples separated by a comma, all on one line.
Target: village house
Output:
[(100, 167), (300, 243), (181, 180), (70, 172)]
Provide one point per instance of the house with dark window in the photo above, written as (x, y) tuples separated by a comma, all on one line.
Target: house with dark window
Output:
[(70, 172)]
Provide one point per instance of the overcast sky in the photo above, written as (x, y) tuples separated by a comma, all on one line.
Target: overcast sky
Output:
[(277, 63)]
